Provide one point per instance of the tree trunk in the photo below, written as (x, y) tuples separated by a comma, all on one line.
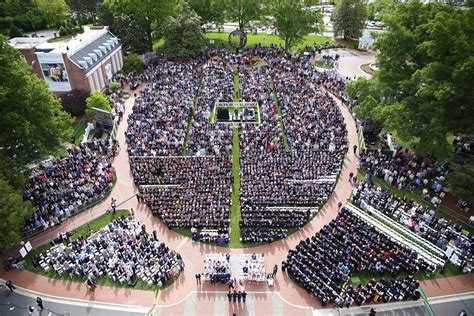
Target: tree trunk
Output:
[(287, 43)]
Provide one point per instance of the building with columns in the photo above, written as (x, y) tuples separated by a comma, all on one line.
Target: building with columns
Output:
[(87, 62)]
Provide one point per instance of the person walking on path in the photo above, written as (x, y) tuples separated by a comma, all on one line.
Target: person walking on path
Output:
[(351, 175), (275, 270), (244, 296), (10, 285), (229, 296), (234, 296), (39, 302), (355, 149), (239, 296), (198, 278)]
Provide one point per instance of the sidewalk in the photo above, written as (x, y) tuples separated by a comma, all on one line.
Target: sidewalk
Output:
[(193, 252)]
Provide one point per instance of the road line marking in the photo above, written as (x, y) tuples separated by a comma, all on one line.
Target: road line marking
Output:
[(153, 305), (181, 244)]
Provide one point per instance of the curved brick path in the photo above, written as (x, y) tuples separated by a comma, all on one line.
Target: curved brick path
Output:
[(175, 297)]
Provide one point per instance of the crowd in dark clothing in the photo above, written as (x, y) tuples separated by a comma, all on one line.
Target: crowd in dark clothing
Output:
[(158, 124), (188, 191), (194, 191), (348, 245), (61, 187), (122, 250)]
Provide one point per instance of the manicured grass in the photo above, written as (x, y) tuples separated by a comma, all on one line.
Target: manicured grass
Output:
[(235, 197), (280, 120), (61, 38), (365, 277), (79, 128), (367, 69), (221, 40), (322, 64), (190, 123)]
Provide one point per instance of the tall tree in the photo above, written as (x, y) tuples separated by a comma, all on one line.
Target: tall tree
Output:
[(349, 18), (13, 211), (55, 11), (293, 21), (133, 63), (84, 10), (183, 34), (22, 14), (244, 11), (422, 89), (461, 179), (147, 14), (32, 121), (377, 8), (210, 11)]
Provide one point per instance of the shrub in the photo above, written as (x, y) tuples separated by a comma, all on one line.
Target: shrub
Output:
[(97, 100), (15, 31), (114, 85), (133, 62), (63, 31), (74, 102)]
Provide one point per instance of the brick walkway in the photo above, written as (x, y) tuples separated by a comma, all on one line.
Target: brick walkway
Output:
[(175, 297)]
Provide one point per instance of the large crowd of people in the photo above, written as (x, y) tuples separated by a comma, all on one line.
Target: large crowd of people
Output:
[(122, 250), (159, 122), (59, 188), (216, 268), (193, 191), (422, 220), (347, 245), (186, 191)]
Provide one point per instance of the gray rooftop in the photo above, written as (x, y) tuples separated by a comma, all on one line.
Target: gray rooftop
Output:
[(92, 54)]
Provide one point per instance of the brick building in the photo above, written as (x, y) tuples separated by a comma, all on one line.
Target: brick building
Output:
[(88, 61)]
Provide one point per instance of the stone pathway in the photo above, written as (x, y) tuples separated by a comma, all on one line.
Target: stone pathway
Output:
[(292, 297)]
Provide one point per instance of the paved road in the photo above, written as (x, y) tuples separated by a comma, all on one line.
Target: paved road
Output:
[(446, 306)]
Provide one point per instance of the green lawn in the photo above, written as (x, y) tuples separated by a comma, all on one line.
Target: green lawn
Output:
[(235, 197), (221, 40), (280, 120), (190, 123), (79, 128), (365, 277), (61, 38), (322, 64)]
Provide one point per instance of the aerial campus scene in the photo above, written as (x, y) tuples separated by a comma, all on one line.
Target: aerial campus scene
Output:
[(236, 157)]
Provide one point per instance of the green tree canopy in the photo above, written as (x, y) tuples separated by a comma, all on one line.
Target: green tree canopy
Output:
[(376, 9), (97, 100), (244, 11), (461, 179), (183, 34), (55, 11), (133, 63), (22, 15), (146, 14), (32, 121), (13, 211), (349, 18), (293, 21), (210, 11), (423, 88), (84, 10)]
